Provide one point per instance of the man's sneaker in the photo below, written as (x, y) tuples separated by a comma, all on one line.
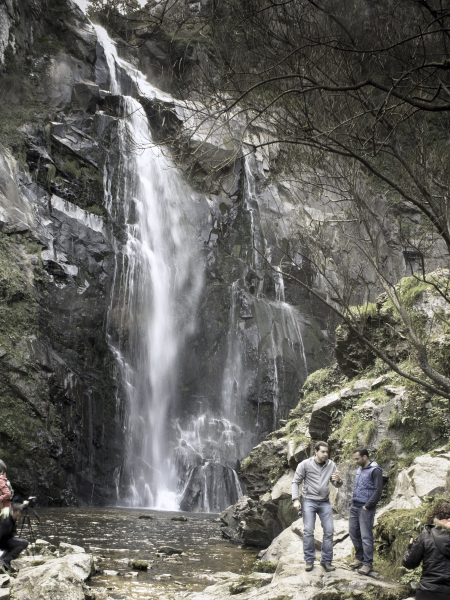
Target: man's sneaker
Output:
[(356, 564), (365, 569), (328, 567), (309, 566)]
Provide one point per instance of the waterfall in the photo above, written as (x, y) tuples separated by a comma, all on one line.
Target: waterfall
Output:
[(156, 291), (179, 457)]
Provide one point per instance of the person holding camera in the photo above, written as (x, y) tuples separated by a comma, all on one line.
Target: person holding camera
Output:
[(432, 548), (11, 545), (316, 473), (5, 490)]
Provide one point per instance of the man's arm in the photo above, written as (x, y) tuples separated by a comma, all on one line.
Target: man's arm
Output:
[(377, 478), (335, 478), (298, 478)]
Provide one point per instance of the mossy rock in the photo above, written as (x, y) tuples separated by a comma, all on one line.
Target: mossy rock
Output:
[(264, 566), (139, 565), (246, 583)]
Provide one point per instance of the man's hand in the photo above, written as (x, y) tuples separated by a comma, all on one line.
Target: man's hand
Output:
[(297, 504), (364, 508), (336, 477)]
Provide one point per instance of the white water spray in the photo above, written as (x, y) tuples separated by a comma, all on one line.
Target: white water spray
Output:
[(159, 278)]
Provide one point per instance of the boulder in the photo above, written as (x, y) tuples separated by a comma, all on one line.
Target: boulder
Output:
[(359, 387), (290, 541), (291, 581), (283, 488), (69, 549), (252, 522), (139, 565), (56, 579), (427, 476), (341, 497), (265, 459), (321, 415)]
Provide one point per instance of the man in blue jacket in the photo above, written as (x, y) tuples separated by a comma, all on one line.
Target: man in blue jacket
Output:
[(366, 493)]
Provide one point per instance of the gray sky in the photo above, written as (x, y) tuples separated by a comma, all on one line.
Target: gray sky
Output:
[(82, 4)]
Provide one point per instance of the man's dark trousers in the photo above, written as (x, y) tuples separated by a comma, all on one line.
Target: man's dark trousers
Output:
[(13, 547), (360, 526)]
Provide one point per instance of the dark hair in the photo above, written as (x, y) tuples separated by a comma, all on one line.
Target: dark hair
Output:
[(319, 444), (362, 451), (440, 511)]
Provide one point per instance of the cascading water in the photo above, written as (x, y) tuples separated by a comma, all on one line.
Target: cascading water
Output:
[(157, 286), (179, 458)]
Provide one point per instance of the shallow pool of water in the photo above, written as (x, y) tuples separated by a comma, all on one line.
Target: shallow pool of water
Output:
[(116, 535)]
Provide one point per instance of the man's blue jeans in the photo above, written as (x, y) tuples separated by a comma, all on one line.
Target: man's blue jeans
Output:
[(311, 508), (360, 526)]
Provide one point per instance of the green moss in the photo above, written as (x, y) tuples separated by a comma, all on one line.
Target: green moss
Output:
[(395, 420), (351, 427), (244, 584), (318, 384), (385, 451), (370, 431), (264, 566), (291, 426), (391, 533)]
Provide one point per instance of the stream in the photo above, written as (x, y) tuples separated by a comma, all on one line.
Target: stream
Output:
[(116, 535)]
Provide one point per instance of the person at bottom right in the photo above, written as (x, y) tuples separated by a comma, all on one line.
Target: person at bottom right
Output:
[(432, 547)]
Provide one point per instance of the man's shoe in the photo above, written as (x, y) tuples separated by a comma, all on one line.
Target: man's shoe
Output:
[(356, 564), (309, 566), (328, 567), (365, 569)]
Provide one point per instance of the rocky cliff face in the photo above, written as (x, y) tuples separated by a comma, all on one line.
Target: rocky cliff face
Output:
[(61, 432), (256, 337)]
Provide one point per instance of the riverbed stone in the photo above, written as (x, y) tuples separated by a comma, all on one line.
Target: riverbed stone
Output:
[(169, 550), (65, 548), (140, 565), (56, 579)]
